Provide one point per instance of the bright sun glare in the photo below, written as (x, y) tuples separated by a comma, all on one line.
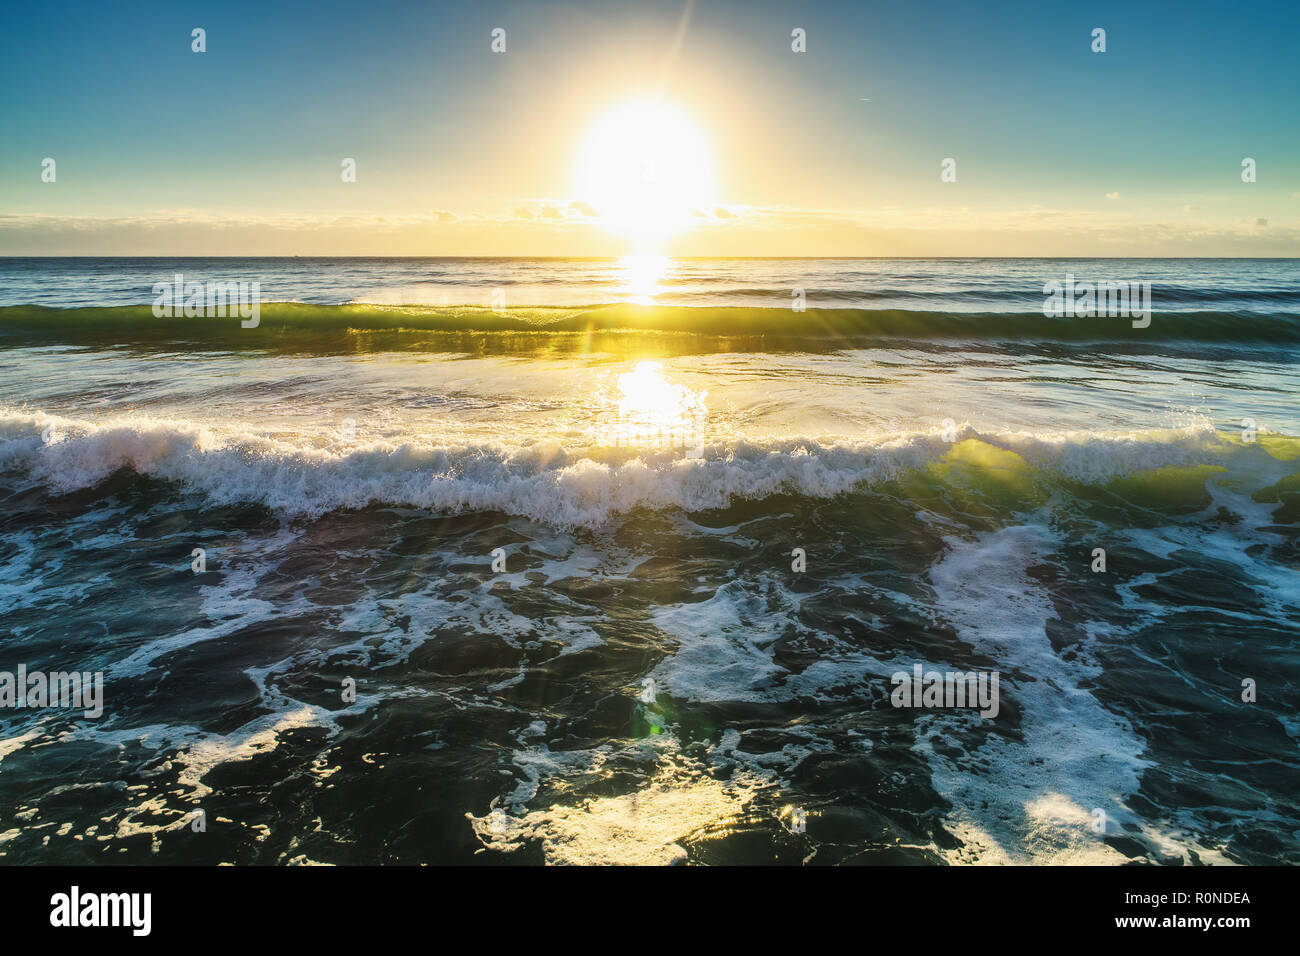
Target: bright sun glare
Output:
[(645, 168), (650, 404)]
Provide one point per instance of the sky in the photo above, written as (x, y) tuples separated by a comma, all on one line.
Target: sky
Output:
[(833, 151)]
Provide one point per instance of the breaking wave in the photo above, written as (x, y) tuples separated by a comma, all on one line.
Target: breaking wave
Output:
[(587, 486), (361, 327)]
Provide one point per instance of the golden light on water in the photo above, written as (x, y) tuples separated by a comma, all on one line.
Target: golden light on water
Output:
[(650, 398), (649, 407), (646, 827), (641, 276)]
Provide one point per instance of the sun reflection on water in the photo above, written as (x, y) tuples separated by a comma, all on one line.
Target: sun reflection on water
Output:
[(651, 408), (643, 409), (640, 277)]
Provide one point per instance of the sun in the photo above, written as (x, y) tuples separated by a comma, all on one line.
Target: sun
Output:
[(646, 169)]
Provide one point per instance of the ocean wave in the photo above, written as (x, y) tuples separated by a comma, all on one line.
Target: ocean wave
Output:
[(584, 487), (290, 324), (989, 295)]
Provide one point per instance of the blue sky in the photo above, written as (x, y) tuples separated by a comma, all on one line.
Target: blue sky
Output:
[(832, 151)]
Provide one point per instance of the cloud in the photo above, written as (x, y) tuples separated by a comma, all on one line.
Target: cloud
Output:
[(932, 227), (1112, 195), (561, 226)]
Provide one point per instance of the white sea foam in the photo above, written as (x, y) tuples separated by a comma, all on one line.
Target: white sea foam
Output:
[(1027, 800), (578, 487), (1032, 798)]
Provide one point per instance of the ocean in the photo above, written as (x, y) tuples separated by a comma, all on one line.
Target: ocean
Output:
[(587, 561)]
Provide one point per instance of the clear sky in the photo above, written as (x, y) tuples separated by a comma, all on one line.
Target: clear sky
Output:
[(832, 151)]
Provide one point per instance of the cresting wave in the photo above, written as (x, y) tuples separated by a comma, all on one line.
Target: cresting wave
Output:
[(296, 324), (587, 487), (1181, 298)]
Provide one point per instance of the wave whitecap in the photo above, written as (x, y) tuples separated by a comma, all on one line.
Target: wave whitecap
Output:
[(565, 486)]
